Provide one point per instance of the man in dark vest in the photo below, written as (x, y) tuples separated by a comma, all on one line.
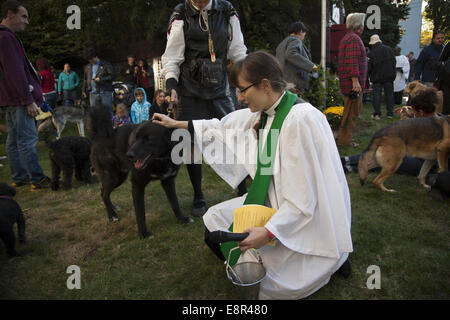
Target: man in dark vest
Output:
[(202, 36), (382, 74)]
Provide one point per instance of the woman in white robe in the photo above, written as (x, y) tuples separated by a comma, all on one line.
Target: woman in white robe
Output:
[(308, 188)]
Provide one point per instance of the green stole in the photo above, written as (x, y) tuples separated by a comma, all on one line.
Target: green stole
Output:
[(260, 185)]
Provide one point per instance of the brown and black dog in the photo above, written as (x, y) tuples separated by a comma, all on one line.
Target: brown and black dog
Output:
[(425, 138)]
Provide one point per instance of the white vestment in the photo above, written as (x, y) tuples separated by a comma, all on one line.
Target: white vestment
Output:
[(308, 188), (400, 78)]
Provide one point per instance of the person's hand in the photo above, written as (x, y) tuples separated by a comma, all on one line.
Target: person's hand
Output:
[(97, 79), (33, 109), (84, 95), (257, 238), (164, 120), (356, 86), (128, 71), (315, 68), (174, 96), (167, 99)]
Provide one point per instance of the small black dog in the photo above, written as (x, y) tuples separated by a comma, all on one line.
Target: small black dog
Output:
[(10, 213), (144, 150), (69, 154)]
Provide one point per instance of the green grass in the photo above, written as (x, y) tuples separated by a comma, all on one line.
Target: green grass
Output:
[(405, 234)]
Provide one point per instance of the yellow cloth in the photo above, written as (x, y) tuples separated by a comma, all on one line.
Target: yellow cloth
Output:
[(251, 215), (43, 115)]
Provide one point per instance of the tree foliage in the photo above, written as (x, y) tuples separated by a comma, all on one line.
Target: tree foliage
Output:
[(111, 25), (391, 12), (438, 11)]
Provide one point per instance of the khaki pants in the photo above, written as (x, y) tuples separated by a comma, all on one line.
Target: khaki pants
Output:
[(352, 109)]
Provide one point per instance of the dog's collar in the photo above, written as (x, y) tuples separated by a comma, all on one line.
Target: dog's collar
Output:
[(6, 197)]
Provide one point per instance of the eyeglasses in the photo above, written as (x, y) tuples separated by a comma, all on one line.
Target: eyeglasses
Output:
[(241, 91)]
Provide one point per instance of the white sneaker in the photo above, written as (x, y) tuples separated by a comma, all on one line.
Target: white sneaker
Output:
[(375, 117)]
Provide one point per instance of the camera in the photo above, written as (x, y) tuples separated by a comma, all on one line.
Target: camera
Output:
[(353, 95)]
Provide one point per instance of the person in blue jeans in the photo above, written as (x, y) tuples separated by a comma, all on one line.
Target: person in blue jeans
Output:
[(20, 95), (97, 80)]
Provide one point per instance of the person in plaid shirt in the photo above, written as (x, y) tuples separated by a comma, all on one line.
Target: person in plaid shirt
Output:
[(352, 72)]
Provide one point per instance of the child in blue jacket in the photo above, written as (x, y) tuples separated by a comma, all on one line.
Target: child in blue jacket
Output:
[(140, 108)]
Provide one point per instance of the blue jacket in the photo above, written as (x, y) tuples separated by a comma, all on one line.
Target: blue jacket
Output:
[(426, 65), (140, 112), (68, 81)]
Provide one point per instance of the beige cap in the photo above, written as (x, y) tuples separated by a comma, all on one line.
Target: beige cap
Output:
[(374, 39)]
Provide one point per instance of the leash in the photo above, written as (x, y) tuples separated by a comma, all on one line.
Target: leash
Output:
[(6, 197)]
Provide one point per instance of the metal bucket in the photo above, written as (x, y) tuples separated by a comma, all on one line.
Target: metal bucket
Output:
[(245, 274)]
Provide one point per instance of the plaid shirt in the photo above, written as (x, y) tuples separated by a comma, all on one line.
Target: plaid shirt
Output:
[(352, 62)]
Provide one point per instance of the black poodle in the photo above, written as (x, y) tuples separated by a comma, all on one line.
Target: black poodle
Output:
[(10, 213), (67, 154)]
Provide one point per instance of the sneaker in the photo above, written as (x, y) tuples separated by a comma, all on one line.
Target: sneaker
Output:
[(375, 117), (22, 183), (344, 164), (390, 117), (44, 183), (3, 157)]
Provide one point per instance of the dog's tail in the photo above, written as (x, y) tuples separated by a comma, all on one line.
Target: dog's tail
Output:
[(367, 160), (99, 123)]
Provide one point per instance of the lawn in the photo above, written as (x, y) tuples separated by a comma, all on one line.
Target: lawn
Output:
[(405, 234)]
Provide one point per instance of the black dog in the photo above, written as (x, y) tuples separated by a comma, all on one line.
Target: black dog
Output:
[(69, 154), (143, 149), (10, 213)]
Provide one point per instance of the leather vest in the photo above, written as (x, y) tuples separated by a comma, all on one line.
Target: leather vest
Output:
[(197, 48)]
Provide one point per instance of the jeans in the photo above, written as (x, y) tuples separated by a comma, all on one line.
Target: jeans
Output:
[(21, 145), (398, 97), (409, 166), (104, 98), (388, 94)]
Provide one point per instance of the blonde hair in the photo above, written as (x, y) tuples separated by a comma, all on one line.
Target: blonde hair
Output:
[(355, 21)]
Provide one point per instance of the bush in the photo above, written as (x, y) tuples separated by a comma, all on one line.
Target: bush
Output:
[(316, 92)]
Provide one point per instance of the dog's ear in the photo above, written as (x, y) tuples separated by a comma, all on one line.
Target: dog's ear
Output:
[(398, 110), (412, 85)]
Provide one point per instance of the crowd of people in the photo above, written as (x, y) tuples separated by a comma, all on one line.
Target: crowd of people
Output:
[(384, 69), (195, 61)]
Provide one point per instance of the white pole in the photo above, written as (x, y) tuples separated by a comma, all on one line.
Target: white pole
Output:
[(324, 43)]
